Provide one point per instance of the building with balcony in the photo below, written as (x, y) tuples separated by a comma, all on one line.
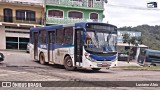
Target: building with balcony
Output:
[(71, 11), (16, 18)]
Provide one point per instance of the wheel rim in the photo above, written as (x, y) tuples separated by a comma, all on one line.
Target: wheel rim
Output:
[(69, 63)]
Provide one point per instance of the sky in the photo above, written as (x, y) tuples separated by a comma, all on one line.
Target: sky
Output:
[(127, 12), (131, 13)]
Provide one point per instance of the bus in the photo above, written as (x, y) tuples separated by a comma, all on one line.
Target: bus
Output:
[(80, 45), (149, 57)]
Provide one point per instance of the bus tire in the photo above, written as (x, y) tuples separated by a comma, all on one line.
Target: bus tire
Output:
[(68, 64), (42, 58), (96, 69)]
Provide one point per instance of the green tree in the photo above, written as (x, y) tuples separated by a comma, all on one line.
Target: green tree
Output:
[(131, 40)]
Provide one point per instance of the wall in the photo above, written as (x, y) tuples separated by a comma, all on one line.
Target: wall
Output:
[(86, 12), (2, 38), (38, 10)]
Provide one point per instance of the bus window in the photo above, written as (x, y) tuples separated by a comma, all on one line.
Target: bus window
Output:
[(59, 36), (68, 35), (51, 38), (42, 36)]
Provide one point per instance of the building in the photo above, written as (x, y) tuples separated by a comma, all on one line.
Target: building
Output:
[(123, 47), (16, 18), (71, 11)]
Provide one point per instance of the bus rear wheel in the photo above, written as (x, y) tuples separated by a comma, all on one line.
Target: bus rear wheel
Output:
[(42, 59), (68, 64), (96, 69)]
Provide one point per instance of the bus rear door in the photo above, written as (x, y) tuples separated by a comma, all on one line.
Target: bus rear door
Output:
[(51, 42)]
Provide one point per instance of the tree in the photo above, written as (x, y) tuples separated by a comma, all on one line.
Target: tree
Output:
[(131, 40)]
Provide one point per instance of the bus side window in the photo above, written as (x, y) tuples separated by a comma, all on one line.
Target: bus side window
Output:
[(42, 36), (59, 36), (68, 35), (52, 41)]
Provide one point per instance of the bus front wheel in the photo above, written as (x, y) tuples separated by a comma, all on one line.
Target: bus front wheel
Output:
[(68, 64), (42, 59)]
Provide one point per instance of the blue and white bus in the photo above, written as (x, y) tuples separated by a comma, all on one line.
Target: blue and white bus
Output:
[(79, 45)]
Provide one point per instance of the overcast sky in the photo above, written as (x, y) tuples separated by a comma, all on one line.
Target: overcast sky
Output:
[(131, 13)]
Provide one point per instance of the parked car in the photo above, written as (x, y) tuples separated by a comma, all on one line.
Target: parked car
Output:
[(28, 46), (1, 57), (149, 57), (122, 57)]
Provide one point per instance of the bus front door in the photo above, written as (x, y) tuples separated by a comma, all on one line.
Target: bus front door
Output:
[(51, 42), (35, 45), (78, 47)]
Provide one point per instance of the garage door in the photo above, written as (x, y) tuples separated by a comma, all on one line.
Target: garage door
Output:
[(16, 43)]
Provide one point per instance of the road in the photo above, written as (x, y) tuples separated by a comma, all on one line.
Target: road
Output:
[(18, 66)]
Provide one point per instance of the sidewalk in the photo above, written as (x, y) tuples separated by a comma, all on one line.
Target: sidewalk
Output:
[(125, 63)]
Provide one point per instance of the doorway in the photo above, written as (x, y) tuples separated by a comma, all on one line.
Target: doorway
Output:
[(78, 46), (51, 42), (7, 15)]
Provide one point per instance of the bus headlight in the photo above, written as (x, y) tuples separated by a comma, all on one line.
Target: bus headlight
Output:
[(87, 55)]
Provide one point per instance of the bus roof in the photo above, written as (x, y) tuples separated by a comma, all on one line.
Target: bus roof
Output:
[(79, 24), (150, 50)]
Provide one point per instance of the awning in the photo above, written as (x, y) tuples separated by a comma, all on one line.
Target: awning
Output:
[(126, 44)]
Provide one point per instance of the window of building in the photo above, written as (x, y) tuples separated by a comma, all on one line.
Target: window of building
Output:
[(55, 13), (94, 16), (68, 35), (59, 36), (75, 14), (25, 15), (8, 15), (30, 15), (42, 36)]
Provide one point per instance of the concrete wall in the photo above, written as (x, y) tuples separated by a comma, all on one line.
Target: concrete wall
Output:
[(2, 38), (17, 35)]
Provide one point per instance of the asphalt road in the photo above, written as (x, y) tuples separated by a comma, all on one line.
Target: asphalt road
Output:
[(18, 66)]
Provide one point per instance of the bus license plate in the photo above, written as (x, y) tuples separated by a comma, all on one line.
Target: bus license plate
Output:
[(105, 64)]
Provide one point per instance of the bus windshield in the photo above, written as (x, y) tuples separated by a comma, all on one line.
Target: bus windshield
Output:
[(100, 42)]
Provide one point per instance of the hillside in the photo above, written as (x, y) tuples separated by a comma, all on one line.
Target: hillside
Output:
[(150, 35)]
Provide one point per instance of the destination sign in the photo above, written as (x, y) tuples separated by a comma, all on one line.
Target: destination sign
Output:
[(100, 27)]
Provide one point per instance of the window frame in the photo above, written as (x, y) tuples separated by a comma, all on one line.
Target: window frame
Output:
[(75, 11), (95, 13), (55, 17), (26, 15)]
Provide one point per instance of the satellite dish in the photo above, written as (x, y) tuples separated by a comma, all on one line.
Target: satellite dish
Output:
[(106, 1)]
